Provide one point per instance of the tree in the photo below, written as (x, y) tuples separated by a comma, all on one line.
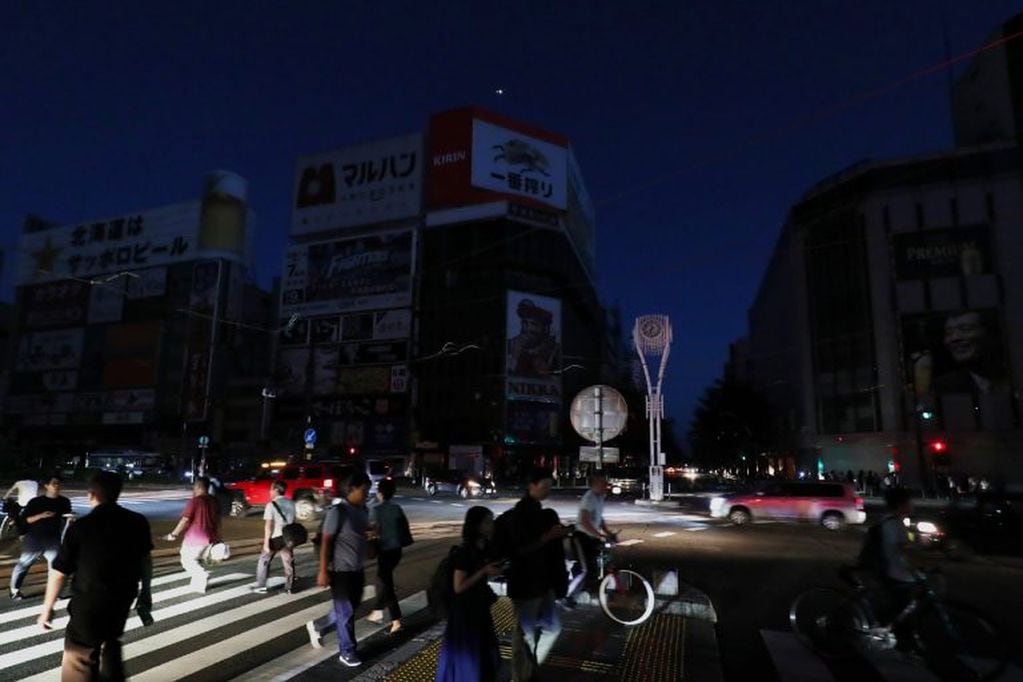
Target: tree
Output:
[(732, 421)]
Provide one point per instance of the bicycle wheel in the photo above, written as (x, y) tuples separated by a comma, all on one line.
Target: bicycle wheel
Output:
[(6, 527), (829, 622), (626, 597), (960, 641)]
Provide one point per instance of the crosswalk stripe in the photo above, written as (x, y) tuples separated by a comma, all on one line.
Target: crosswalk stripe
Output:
[(664, 534), (224, 649), (792, 660), (296, 662), (54, 646), (33, 611), (33, 630), (695, 529)]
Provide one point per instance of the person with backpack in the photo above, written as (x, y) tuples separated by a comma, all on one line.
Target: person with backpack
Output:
[(44, 517), (884, 556), (532, 584), (343, 547), (278, 514), (469, 649), (388, 519)]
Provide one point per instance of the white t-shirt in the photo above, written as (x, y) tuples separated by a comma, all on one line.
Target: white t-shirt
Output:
[(27, 491), (594, 504), (287, 510)]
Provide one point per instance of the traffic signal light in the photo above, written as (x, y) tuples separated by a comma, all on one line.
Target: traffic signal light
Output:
[(938, 447), (352, 451)]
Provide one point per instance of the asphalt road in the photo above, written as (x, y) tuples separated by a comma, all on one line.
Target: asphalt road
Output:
[(751, 574)]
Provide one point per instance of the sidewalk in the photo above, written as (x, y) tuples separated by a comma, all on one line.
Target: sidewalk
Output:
[(669, 646)]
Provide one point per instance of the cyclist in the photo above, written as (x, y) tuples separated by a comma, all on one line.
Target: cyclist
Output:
[(592, 533), (885, 556)]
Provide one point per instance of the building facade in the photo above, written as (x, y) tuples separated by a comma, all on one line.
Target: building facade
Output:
[(126, 328), (439, 298)]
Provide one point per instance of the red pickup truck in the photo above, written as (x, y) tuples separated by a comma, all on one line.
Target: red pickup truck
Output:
[(311, 485)]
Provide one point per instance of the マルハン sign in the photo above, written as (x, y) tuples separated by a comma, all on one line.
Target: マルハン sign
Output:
[(369, 183)]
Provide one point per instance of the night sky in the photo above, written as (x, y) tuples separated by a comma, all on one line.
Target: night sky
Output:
[(689, 119)]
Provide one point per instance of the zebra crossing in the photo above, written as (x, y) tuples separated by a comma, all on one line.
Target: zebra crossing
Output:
[(228, 633), (794, 662), (131, 498)]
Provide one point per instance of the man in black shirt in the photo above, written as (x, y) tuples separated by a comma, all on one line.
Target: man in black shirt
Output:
[(44, 517), (531, 583), (107, 551)]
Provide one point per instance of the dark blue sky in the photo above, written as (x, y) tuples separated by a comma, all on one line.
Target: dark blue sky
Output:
[(681, 113)]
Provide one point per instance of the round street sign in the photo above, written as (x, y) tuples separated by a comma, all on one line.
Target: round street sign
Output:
[(310, 436), (598, 413)]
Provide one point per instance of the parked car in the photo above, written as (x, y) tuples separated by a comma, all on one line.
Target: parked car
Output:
[(626, 480), (458, 483), (311, 485), (833, 505)]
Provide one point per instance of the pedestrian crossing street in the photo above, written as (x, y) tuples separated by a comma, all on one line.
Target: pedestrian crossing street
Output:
[(227, 633), (794, 662)]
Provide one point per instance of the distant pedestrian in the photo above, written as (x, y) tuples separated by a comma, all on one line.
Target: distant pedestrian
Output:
[(200, 522), (343, 549), (530, 584), (278, 514), (860, 481), (43, 517), (108, 552), (469, 650), (388, 520)]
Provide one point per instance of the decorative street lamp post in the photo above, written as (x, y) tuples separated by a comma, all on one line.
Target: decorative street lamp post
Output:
[(652, 336)]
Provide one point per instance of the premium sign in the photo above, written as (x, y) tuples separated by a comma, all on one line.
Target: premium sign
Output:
[(942, 253), (516, 164), (343, 275), (161, 236), (368, 183)]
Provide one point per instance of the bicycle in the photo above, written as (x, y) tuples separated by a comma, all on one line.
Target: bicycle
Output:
[(9, 524), (841, 624), (624, 595)]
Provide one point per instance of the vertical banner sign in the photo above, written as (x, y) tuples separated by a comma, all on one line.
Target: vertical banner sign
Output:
[(202, 305)]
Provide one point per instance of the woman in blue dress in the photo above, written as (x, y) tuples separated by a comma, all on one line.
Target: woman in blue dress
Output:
[(469, 651)]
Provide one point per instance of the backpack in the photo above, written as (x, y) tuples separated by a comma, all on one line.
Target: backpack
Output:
[(871, 556), (502, 545), (441, 592)]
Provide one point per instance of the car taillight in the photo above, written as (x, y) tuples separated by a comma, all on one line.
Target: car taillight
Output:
[(328, 483), (859, 504)]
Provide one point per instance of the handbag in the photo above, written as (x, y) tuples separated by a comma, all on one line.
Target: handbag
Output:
[(404, 531), (293, 534)]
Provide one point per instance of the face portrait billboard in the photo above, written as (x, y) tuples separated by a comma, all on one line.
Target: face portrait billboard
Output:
[(533, 360), (956, 352)]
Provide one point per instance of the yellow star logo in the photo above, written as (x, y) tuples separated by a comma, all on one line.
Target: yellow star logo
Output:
[(46, 258)]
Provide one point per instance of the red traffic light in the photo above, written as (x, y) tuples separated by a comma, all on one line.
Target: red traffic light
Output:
[(938, 446), (352, 451)]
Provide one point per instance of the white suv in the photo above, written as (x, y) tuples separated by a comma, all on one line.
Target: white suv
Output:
[(831, 504)]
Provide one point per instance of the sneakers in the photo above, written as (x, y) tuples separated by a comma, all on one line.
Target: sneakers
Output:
[(261, 589), (376, 616), (568, 603), (351, 660), (315, 638), (17, 595)]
